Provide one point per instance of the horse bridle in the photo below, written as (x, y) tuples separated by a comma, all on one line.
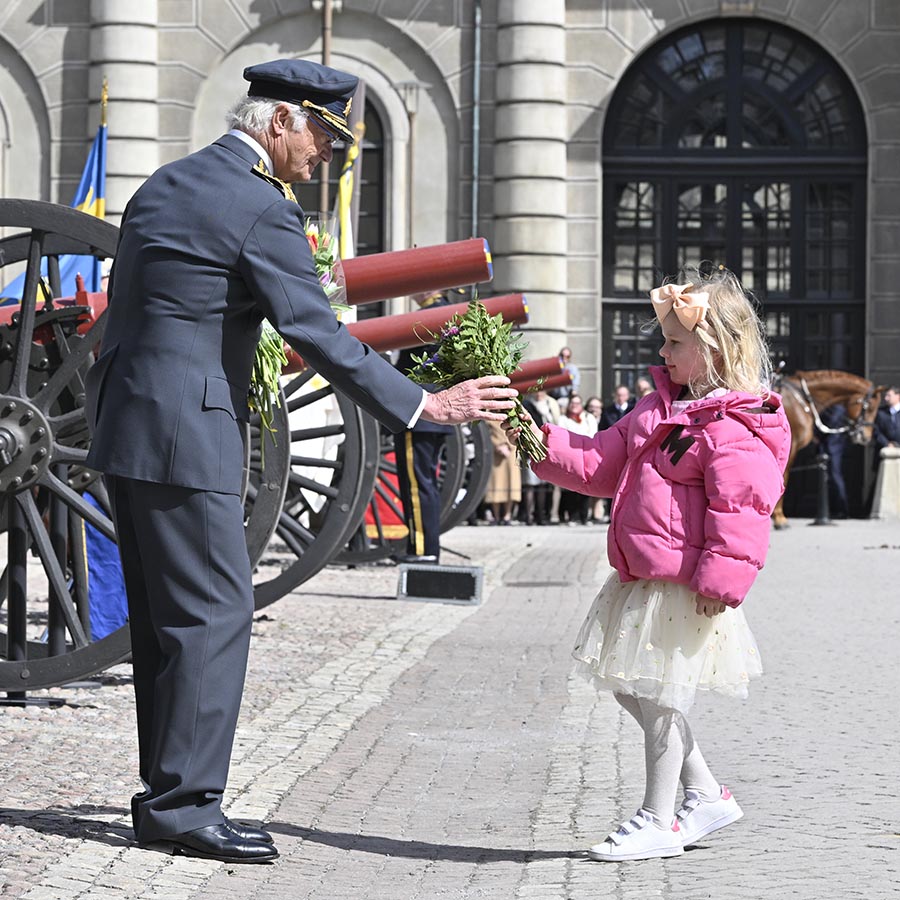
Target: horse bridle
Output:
[(852, 428)]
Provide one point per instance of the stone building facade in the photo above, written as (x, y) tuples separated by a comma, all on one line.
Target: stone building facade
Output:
[(616, 140)]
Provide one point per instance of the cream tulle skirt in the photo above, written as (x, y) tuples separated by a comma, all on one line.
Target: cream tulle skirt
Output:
[(646, 639)]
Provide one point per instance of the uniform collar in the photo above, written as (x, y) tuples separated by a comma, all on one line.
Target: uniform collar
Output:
[(254, 145)]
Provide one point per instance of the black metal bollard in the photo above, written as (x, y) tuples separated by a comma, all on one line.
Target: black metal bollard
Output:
[(823, 512)]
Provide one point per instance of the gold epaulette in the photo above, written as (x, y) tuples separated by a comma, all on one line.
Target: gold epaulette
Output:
[(285, 189)]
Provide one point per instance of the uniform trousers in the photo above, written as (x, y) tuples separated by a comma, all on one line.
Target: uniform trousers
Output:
[(418, 453), (190, 604)]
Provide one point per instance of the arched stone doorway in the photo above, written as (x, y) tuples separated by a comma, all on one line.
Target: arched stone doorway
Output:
[(737, 141)]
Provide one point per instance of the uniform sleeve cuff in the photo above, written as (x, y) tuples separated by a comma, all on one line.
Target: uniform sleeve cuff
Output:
[(418, 412)]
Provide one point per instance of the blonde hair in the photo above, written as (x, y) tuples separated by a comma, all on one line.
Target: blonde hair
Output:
[(733, 341)]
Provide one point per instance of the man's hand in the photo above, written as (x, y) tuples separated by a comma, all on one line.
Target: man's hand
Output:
[(708, 607), (478, 398)]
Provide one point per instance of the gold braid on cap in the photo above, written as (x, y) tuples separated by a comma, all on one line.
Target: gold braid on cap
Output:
[(330, 117)]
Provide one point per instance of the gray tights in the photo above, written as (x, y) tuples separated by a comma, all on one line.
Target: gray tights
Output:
[(670, 754)]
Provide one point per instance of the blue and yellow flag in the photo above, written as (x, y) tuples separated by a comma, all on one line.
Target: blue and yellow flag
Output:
[(90, 197), (91, 194)]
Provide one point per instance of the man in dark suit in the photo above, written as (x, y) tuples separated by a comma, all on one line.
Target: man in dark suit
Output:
[(622, 403), (887, 423), (209, 246), (834, 445)]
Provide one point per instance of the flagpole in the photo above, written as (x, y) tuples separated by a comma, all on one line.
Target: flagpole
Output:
[(104, 98)]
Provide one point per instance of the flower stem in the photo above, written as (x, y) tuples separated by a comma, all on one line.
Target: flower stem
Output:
[(528, 447)]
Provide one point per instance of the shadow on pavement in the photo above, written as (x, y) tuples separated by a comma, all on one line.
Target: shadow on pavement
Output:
[(386, 846), (73, 822)]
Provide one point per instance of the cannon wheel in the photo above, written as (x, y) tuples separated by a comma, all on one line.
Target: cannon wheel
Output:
[(375, 540), (326, 492), (44, 486)]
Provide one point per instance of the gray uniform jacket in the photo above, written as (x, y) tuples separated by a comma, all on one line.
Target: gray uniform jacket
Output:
[(207, 249)]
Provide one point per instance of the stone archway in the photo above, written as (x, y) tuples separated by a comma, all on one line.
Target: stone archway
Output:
[(24, 136)]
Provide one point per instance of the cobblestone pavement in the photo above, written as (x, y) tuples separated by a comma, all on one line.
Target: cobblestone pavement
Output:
[(422, 750)]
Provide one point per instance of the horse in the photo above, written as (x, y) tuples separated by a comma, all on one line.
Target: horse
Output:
[(806, 394)]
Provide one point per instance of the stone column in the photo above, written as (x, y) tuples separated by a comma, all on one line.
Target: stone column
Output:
[(530, 240), (124, 50)]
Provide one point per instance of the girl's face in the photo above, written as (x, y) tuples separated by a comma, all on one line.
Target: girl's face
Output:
[(682, 353)]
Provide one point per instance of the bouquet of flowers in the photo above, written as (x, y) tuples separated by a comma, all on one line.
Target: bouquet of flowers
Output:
[(473, 345), (270, 356), (324, 248)]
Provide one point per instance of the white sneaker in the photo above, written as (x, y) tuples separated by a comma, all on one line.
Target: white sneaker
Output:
[(699, 818), (639, 838)]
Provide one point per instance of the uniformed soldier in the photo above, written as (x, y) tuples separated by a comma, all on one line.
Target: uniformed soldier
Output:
[(418, 452), (210, 245)]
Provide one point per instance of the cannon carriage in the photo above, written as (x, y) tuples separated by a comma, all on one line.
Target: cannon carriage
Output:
[(306, 491)]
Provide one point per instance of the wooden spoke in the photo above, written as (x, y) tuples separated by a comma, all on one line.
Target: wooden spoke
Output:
[(79, 505), (18, 384), (59, 590)]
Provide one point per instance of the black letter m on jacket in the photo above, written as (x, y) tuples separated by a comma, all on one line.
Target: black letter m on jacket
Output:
[(675, 444)]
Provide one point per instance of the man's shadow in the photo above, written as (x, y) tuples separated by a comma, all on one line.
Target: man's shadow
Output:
[(73, 822), (76, 822), (387, 846)]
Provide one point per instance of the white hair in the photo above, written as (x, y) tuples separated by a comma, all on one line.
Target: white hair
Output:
[(254, 114)]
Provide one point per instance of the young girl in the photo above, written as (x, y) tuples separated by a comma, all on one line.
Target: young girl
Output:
[(694, 472)]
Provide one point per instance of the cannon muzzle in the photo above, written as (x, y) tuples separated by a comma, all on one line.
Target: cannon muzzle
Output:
[(399, 273)]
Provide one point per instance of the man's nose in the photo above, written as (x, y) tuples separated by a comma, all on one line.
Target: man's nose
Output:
[(327, 153)]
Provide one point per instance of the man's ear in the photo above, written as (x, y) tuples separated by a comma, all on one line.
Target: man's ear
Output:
[(281, 119)]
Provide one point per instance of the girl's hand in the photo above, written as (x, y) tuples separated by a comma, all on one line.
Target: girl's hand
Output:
[(708, 607), (513, 432)]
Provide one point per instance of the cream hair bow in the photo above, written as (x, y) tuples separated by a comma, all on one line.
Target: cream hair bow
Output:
[(690, 308)]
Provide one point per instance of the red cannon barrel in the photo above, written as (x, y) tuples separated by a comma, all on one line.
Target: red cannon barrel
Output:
[(380, 276), (564, 379), (415, 328), (399, 273), (532, 369)]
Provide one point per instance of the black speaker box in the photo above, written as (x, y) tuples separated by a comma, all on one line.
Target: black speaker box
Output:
[(441, 584)]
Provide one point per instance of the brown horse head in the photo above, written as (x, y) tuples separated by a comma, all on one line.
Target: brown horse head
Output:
[(806, 393), (860, 398)]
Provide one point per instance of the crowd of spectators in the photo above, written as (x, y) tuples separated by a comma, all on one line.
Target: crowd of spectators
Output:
[(515, 495)]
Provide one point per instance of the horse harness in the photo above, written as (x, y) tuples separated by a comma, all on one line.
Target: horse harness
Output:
[(809, 405)]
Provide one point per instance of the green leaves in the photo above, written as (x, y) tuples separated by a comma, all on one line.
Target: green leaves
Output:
[(264, 387), (473, 345), (470, 346)]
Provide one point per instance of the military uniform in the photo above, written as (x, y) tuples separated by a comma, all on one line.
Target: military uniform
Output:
[(417, 451), (209, 245)]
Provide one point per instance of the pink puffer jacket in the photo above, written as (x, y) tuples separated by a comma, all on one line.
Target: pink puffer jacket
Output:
[(692, 492)]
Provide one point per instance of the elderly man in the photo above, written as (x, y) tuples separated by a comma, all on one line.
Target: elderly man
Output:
[(209, 246)]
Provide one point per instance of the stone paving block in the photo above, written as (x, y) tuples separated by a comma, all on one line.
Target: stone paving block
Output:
[(428, 753)]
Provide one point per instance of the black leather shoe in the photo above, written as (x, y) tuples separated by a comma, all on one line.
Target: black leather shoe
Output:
[(217, 842), (248, 832)]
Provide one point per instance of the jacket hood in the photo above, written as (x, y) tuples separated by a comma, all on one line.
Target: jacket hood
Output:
[(764, 416)]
